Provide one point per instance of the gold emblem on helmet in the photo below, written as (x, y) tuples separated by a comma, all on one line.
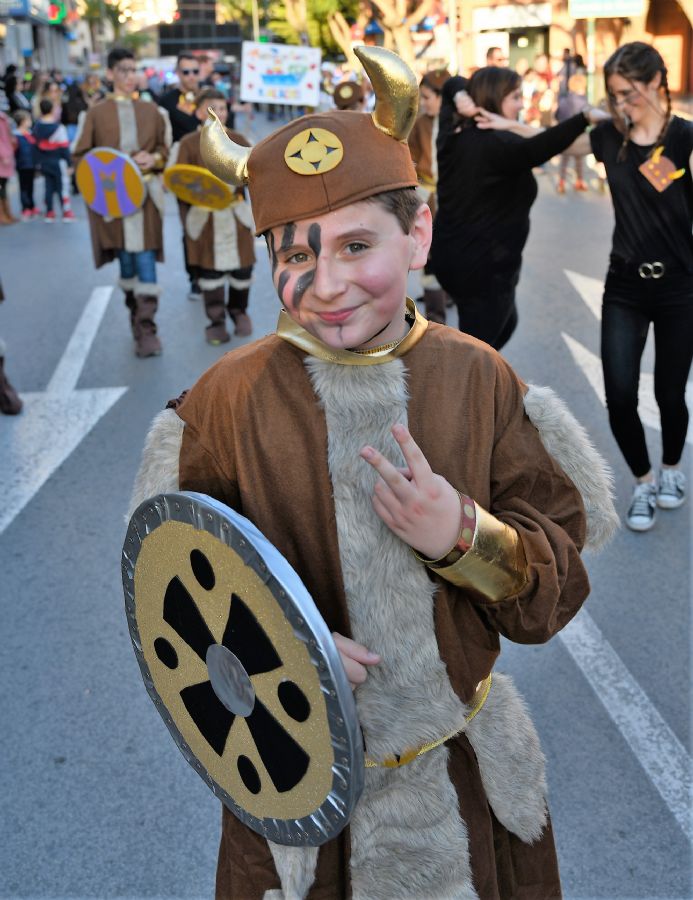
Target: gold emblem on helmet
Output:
[(313, 152)]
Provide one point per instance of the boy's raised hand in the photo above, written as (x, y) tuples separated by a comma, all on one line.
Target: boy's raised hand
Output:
[(420, 507)]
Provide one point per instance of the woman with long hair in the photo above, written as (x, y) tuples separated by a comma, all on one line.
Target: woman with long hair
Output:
[(648, 155), (485, 192)]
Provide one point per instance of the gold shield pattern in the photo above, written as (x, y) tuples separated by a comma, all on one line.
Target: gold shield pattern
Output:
[(198, 187), (313, 151)]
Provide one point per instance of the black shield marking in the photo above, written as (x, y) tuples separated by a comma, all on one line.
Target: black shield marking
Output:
[(184, 617), (246, 639), (286, 762), (249, 775), (209, 714), (166, 653), (202, 569), (294, 701)]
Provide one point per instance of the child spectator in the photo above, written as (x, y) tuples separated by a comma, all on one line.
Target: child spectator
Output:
[(7, 145), (25, 159), (52, 146)]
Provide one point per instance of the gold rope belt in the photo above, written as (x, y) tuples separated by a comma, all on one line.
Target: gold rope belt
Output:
[(394, 762)]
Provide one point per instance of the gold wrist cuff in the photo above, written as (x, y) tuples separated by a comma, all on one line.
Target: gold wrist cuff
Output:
[(495, 565)]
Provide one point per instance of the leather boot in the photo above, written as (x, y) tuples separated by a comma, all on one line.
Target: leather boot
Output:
[(4, 218), (8, 211), (144, 327), (434, 301), (10, 401), (216, 332), (237, 306)]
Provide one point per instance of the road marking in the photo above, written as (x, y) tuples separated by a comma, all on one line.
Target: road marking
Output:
[(590, 289), (653, 743), (69, 368), (54, 422)]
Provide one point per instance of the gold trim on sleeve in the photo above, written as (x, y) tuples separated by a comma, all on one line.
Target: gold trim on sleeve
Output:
[(293, 333), (494, 566)]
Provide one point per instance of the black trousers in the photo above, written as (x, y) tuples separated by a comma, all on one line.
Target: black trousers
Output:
[(487, 310), (630, 305), (26, 188)]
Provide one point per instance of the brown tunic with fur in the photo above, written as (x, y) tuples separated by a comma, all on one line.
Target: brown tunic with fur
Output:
[(201, 251), (100, 128), (256, 438)]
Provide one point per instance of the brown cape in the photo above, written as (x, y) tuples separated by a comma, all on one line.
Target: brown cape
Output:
[(256, 438)]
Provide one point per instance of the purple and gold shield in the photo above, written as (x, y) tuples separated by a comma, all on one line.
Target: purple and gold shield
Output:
[(198, 187), (110, 182)]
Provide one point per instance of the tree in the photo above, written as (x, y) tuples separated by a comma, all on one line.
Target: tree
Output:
[(91, 12), (397, 18)]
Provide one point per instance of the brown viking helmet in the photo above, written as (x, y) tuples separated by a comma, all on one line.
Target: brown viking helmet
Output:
[(321, 162)]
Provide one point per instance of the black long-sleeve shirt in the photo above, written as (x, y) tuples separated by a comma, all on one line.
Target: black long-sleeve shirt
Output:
[(485, 192)]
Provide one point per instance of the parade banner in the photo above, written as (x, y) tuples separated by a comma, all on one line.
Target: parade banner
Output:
[(280, 73), (605, 9)]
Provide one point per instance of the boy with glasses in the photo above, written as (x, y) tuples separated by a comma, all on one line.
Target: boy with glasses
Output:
[(141, 130)]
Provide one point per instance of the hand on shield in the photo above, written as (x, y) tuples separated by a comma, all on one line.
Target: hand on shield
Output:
[(420, 507), (355, 657)]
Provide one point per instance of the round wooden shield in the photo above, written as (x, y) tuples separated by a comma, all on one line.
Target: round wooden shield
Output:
[(110, 182), (242, 668), (198, 187)]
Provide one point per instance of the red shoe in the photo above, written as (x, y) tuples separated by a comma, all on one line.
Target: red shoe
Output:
[(580, 186), (49, 217), (36, 212), (27, 215), (69, 216), (560, 187)]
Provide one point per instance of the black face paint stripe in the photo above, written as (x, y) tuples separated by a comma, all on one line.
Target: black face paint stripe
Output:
[(283, 278), (272, 251), (302, 285), (314, 238), (288, 236)]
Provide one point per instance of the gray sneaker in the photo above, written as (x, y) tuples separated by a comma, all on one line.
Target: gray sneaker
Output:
[(643, 507), (672, 488)]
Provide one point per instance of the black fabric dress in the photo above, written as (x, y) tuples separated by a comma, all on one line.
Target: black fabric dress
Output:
[(485, 192)]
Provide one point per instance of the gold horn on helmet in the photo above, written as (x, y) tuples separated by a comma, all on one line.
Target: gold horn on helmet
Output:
[(396, 91), (224, 158)]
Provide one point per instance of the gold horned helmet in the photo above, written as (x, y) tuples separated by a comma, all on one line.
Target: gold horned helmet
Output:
[(323, 161)]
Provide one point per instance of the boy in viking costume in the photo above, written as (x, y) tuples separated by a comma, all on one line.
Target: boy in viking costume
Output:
[(422, 144), (142, 131), (219, 244), (424, 528)]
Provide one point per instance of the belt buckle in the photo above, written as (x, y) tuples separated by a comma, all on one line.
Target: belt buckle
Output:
[(651, 269)]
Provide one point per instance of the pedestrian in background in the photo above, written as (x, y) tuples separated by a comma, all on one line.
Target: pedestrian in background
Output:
[(485, 192), (141, 130), (422, 145), (52, 152), (7, 168), (571, 102), (648, 154), (10, 401), (25, 161), (217, 263)]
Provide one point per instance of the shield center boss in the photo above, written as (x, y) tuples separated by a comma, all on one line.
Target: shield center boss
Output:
[(241, 667), (313, 151)]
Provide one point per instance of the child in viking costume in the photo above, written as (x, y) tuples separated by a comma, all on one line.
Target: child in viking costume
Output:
[(423, 527), (142, 131), (219, 243), (422, 144)]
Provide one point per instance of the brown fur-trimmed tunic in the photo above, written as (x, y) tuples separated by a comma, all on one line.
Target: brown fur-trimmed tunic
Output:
[(201, 250), (100, 128), (256, 438)]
